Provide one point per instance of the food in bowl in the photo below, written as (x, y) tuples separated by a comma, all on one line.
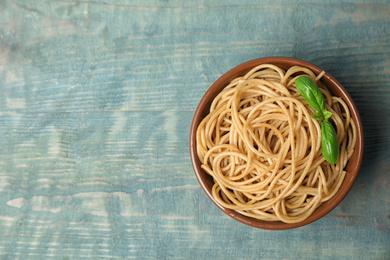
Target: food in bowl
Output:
[(263, 148)]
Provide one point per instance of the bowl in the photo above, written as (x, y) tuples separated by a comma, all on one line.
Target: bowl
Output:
[(352, 167)]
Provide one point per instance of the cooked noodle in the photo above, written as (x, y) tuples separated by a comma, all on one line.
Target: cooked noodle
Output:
[(263, 149)]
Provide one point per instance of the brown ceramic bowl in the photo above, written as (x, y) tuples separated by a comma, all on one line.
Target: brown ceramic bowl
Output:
[(333, 85)]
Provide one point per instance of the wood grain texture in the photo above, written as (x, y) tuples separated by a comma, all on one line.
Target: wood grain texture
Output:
[(96, 101)]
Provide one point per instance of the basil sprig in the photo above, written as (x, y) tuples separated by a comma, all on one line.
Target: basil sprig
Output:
[(313, 96)]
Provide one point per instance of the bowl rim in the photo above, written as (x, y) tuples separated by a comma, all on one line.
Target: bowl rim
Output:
[(331, 83)]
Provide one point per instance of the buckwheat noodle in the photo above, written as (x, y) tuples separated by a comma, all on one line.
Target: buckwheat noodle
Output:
[(263, 149)]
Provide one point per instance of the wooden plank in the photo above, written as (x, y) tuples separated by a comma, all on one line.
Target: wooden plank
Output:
[(96, 103)]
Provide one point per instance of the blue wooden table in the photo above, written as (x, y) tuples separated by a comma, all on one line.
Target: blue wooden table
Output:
[(96, 102)]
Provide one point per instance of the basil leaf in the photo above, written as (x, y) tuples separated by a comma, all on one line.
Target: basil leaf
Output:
[(311, 93), (329, 143), (327, 114), (319, 116)]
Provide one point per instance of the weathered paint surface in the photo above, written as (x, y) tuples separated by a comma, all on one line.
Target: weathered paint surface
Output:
[(96, 101)]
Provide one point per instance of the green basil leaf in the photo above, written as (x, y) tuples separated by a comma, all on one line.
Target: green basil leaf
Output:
[(329, 143), (319, 116), (327, 114), (311, 93)]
